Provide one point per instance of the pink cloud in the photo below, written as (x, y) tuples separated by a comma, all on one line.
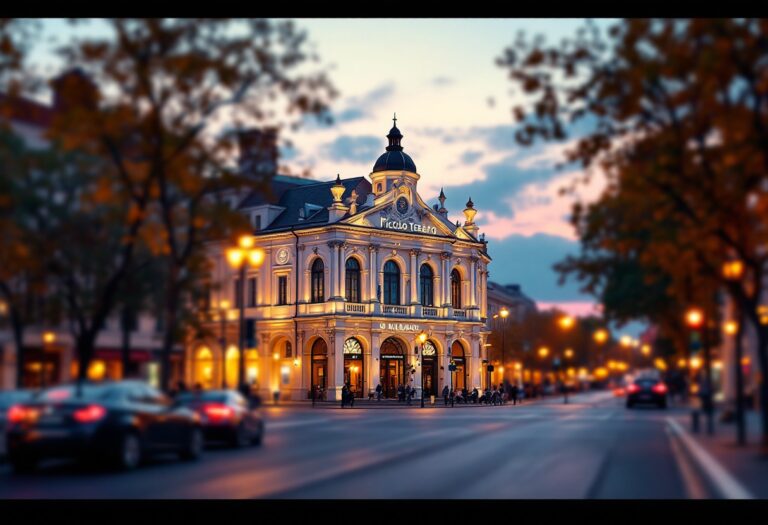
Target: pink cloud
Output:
[(575, 308)]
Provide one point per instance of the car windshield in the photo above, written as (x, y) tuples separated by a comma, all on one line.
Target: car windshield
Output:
[(645, 383), (69, 392), (191, 397)]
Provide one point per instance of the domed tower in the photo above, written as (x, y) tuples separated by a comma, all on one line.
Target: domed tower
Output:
[(393, 165)]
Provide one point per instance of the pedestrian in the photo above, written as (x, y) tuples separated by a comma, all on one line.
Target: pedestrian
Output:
[(408, 391), (378, 392), (513, 393), (350, 396), (344, 395), (453, 397), (400, 393), (475, 395), (446, 393)]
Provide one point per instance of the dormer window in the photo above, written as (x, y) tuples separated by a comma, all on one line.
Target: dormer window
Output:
[(378, 188)]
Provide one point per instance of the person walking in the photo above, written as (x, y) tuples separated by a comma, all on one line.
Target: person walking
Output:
[(400, 393), (344, 393), (408, 391), (453, 397), (350, 396), (513, 393), (446, 394), (378, 392)]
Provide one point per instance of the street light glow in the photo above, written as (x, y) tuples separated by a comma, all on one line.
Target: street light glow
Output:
[(626, 341), (422, 338), (504, 312), (731, 327), (256, 257), (601, 336), (733, 270), (49, 337), (694, 317), (245, 242), (566, 322), (235, 257), (568, 353), (543, 351), (646, 349)]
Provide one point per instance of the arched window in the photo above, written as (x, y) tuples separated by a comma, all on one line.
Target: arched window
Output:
[(391, 283), (318, 281), (427, 290), (352, 280), (288, 350), (455, 289)]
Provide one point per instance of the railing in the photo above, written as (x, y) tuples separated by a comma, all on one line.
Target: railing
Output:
[(460, 313), (397, 310), (429, 312), (354, 308)]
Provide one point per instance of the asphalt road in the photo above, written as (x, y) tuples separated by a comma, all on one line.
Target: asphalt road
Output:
[(592, 447)]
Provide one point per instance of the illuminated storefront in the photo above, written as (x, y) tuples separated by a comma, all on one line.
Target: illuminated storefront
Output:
[(354, 271)]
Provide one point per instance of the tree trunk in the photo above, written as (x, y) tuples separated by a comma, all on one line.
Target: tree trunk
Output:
[(171, 320), (126, 342), (18, 337), (86, 342)]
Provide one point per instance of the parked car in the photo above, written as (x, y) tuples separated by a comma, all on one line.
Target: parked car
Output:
[(8, 398), (647, 390), (116, 422), (226, 415)]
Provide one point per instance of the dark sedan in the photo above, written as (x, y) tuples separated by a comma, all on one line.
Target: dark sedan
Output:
[(115, 422), (647, 390), (8, 398), (226, 416)]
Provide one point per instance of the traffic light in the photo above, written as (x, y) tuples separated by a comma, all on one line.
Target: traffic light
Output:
[(490, 368), (452, 367)]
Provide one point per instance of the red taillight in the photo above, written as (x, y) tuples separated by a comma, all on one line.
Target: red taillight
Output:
[(218, 411), (17, 414), (660, 388), (89, 414), (633, 389)]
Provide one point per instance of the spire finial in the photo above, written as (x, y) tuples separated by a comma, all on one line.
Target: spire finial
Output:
[(394, 120)]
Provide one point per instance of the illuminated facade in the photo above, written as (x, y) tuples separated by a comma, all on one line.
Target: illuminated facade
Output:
[(355, 270)]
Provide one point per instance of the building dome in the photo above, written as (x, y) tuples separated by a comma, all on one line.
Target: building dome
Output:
[(394, 158)]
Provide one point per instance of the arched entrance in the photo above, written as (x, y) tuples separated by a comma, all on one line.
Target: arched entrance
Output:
[(392, 371), (232, 367), (429, 356), (353, 366), (459, 376), (204, 368), (319, 358)]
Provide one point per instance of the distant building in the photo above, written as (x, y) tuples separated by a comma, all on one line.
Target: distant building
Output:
[(510, 296)]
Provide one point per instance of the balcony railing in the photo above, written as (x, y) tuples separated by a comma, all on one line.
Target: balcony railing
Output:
[(354, 308), (429, 312), (460, 313), (395, 310)]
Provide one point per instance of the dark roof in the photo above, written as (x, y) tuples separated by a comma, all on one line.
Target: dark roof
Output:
[(274, 191), (25, 110), (319, 194), (394, 160)]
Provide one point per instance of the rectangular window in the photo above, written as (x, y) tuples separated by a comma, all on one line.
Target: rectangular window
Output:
[(252, 291), (250, 333), (238, 294), (257, 222), (282, 290)]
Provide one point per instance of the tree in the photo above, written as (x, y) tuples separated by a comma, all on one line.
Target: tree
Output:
[(678, 115), (173, 82)]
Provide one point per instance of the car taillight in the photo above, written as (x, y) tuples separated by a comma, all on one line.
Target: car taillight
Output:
[(218, 411), (633, 389), (17, 414), (660, 388), (89, 414)]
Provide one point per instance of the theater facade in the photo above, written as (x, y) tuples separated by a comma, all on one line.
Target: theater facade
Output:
[(355, 270)]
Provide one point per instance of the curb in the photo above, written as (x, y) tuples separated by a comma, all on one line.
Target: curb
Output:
[(718, 477)]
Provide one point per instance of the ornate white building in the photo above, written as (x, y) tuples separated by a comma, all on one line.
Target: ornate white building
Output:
[(354, 271)]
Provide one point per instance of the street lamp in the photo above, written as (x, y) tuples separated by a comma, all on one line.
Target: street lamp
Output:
[(733, 271), (238, 257), (223, 309), (48, 339), (694, 318), (504, 313), (422, 339)]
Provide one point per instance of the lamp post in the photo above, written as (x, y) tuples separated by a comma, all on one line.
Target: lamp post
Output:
[(238, 257), (695, 319), (566, 323), (733, 271), (48, 339), (223, 309), (504, 313), (422, 340), (568, 354)]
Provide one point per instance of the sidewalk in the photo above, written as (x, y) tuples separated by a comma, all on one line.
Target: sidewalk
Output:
[(744, 464)]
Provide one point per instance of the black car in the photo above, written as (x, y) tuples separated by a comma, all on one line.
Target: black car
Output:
[(115, 422), (8, 398), (226, 415), (647, 390)]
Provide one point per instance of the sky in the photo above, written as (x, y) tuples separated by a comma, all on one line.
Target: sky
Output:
[(453, 106)]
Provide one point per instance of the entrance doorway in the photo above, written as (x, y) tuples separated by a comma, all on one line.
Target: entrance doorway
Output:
[(459, 376), (319, 358), (429, 355), (392, 371), (353, 366)]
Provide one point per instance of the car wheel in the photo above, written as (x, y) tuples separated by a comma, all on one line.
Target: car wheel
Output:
[(129, 451), (259, 437), (23, 464), (193, 449), (240, 436)]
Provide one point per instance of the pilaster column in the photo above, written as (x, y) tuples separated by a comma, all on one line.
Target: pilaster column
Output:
[(303, 279), (472, 282), (445, 259), (373, 251), (342, 271), (414, 276), (334, 260)]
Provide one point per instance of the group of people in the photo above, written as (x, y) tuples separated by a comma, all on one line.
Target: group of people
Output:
[(491, 396)]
